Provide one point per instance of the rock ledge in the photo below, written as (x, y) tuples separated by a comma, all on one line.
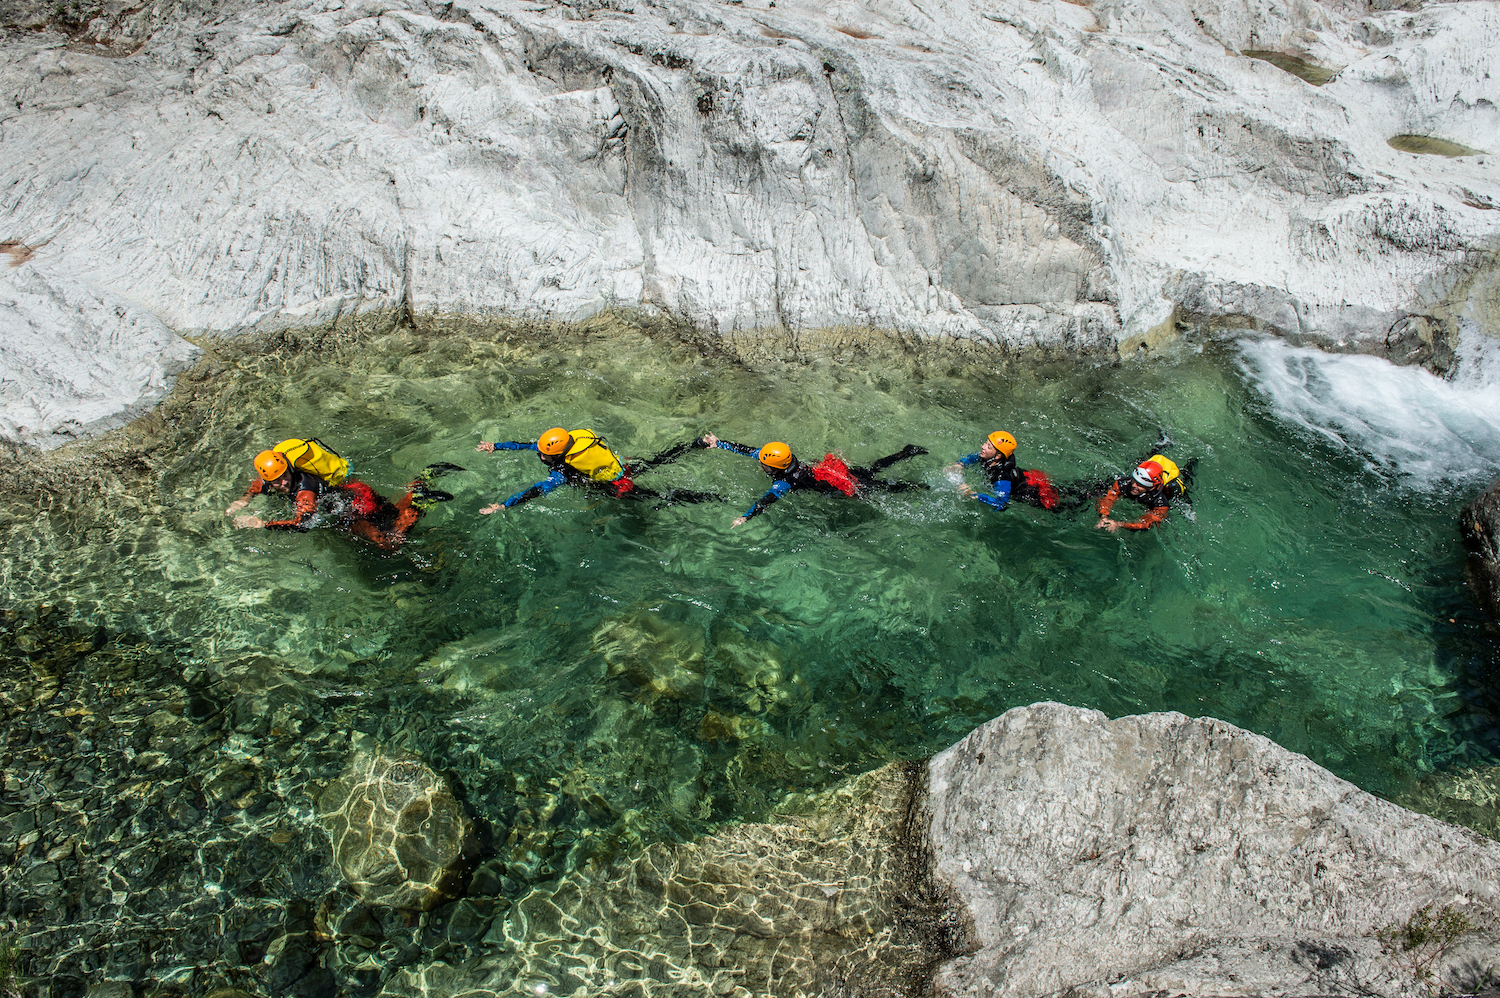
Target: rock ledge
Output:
[(1169, 854)]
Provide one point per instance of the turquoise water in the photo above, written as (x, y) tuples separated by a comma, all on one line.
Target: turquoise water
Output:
[(599, 673)]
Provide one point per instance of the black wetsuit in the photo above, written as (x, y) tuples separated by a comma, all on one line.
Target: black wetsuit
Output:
[(801, 476), (1010, 482), (1158, 499)]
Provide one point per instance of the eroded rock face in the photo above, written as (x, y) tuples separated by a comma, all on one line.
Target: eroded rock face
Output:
[(1479, 523), (1164, 853), (1057, 177), (400, 836)]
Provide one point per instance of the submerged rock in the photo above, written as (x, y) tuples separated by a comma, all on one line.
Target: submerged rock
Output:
[(661, 657), (1160, 853), (147, 816), (1469, 797), (1479, 523), (832, 899), (400, 836), (1057, 177)]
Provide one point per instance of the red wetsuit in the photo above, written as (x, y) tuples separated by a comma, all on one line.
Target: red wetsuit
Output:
[(353, 505)]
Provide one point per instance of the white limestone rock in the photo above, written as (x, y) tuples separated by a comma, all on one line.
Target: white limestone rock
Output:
[(1159, 853), (76, 358), (1054, 175)]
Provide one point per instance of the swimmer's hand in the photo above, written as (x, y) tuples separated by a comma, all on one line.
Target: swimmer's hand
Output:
[(737, 521), (236, 506), (1107, 524), (249, 520), (484, 448), (967, 490), (709, 440), (486, 511), (953, 469)]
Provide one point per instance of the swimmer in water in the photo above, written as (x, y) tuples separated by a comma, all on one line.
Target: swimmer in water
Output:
[(997, 459), (348, 505), (581, 458), (830, 475)]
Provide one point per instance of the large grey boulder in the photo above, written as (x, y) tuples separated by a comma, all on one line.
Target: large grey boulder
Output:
[(1160, 853), (1479, 524), (1061, 177)]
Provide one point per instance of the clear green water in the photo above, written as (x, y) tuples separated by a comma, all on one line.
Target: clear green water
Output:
[(598, 673)]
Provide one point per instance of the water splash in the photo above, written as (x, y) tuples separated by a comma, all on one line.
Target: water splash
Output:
[(1429, 432)]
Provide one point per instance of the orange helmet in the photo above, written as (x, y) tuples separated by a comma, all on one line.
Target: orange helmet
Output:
[(270, 464), (554, 442), (1003, 442), (776, 455), (1149, 473)]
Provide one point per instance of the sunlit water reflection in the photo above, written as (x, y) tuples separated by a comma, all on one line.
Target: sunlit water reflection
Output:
[(658, 672)]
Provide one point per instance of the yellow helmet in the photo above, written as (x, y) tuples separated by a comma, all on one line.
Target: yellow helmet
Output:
[(1003, 442), (270, 465), (776, 455), (554, 442)]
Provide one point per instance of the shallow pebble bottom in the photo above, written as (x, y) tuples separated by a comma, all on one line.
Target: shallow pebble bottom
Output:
[(652, 719)]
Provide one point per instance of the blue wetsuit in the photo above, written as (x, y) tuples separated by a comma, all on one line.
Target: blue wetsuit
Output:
[(1001, 485), (783, 480), (558, 477), (565, 474), (1009, 482)]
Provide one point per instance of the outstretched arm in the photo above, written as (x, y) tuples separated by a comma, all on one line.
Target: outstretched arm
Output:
[(485, 448), (963, 462), (709, 440), (541, 488), (1153, 516), (255, 488), (777, 490), (1107, 501), (307, 505), (1000, 499)]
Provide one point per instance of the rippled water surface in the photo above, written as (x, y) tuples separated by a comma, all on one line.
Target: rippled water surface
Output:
[(667, 672)]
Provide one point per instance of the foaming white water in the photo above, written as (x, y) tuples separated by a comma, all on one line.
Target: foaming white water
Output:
[(1398, 419)]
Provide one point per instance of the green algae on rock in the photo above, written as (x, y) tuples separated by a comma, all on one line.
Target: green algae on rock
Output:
[(1428, 145), (1300, 67)]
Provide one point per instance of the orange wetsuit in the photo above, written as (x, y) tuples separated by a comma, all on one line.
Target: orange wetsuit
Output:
[(1154, 499)]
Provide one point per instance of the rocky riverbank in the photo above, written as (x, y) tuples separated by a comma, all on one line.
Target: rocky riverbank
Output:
[(1164, 854), (1056, 177), (1479, 523)]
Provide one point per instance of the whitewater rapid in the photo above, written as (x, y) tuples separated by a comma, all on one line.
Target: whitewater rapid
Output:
[(1424, 430)]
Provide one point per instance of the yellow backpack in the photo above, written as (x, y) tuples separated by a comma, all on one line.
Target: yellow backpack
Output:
[(1169, 472), (1171, 477), (590, 455), (317, 457)]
